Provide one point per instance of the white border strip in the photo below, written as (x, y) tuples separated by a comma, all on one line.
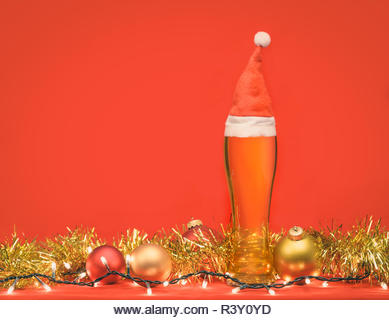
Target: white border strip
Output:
[(238, 126), (195, 309)]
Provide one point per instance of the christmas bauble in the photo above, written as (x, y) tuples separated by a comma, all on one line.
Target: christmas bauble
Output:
[(296, 255), (198, 232), (95, 263), (150, 262)]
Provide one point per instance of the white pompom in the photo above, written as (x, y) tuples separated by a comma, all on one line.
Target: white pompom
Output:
[(262, 39)]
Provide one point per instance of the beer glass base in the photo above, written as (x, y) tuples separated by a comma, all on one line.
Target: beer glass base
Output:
[(252, 261)]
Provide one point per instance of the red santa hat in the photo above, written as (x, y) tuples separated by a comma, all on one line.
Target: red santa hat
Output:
[(251, 114)]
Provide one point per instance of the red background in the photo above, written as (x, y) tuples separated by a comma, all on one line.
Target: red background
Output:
[(112, 113)]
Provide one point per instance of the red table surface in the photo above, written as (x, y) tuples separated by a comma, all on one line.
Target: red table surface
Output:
[(214, 291)]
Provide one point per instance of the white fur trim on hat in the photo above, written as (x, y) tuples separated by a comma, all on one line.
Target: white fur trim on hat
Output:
[(241, 126)]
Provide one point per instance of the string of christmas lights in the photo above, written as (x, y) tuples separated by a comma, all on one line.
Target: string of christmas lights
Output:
[(182, 279)]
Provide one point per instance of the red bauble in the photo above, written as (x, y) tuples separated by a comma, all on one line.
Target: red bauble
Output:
[(198, 232), (95, 268)]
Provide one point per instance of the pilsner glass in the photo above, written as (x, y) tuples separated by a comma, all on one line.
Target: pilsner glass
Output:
[(250, 165)]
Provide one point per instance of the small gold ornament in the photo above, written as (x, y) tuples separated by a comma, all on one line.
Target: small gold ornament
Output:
[(296, 255), (150, 262)]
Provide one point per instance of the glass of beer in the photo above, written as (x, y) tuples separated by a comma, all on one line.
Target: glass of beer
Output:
[(250, 166)]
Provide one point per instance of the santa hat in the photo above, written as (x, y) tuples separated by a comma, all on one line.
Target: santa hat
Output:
[(251, 114)]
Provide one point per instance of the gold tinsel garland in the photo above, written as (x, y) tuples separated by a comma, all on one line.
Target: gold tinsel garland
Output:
[(365, 247), (342, 254)]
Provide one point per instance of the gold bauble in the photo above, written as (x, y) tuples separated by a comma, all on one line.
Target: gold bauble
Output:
[(150, 262), (296, 255)]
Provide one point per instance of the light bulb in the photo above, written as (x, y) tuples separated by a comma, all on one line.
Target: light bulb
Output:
[(104, 262), (67, 265), (325, 284), (165, 283), (46, 287), (128, 260), (307, 280), (80, 276), (11, 289), (272, 292), (53, 269), (236, 290), (204, 284), (384, 286), (149, 291)]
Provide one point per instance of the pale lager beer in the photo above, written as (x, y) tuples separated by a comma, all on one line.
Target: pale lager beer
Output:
[(250, 166)]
